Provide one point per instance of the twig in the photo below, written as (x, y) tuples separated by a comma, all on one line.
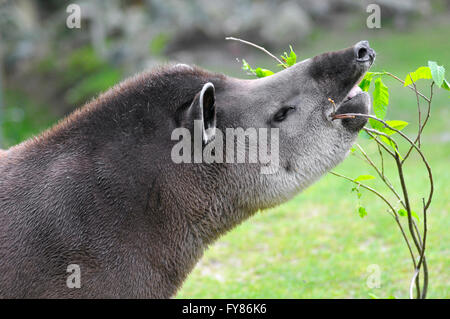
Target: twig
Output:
[(422, 254), (379, 143), (413, 281), (380, 174), (369, 189), (258, 47), (412, 225), (393, 214), (403, 82), (410, 221), (420, 244), (430, 175), (418, 110), (381, 158), (424, 122)]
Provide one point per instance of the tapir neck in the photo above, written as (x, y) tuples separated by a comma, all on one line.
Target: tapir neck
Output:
[(193, 214)]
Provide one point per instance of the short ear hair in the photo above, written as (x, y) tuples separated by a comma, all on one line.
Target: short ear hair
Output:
[(202, 110), (207, 105)]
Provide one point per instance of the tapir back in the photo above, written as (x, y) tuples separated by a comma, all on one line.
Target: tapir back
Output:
[(87, 192)]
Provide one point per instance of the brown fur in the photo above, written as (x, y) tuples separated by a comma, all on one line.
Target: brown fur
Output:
[(96, 190)]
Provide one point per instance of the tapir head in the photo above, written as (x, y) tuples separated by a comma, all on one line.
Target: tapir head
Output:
[(296, 101)]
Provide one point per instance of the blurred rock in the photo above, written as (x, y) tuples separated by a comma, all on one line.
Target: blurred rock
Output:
[(284, 25), (402, 12), (317, 9)]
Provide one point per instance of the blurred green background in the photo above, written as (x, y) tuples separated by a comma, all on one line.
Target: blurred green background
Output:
[(316, 245)]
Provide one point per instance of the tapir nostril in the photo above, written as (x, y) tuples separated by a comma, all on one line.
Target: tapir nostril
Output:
[(363, 52)]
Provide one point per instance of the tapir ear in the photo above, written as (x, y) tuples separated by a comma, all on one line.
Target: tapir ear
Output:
[(200, 117), (207, 105)]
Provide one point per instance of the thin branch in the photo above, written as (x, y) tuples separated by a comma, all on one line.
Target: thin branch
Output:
[(413, 281), (414, 231), (393, 214), (369, 189), (258, 47), (381, 158), (409, 86), (422, 254), (407, 203), (424, 122), (419, 243), (380, 174), (430, 175), (375, 138), (418, 110)]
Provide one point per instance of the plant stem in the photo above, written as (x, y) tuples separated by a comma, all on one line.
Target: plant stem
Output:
[(380, 174), (259, 48), (403, 82), (394, 213), (424, 122), (418, 110)]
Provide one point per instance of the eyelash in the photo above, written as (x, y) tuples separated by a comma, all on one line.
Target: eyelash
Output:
[(281, 115)]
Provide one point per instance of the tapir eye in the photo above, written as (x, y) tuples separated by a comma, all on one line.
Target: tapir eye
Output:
[(282, 113)]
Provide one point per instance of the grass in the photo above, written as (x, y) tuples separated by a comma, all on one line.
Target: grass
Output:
[(316, 245)]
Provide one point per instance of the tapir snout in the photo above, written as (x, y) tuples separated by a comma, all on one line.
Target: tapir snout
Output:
[(338, 75)]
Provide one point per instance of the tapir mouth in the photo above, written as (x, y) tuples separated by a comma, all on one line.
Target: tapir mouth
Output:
[(340, 74), (356, 100), (353, 92), (365, 56)]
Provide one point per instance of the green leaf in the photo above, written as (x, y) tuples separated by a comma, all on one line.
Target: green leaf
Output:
[(402, 212), (397, 124), (363, 178), (380, 99), (445, 85), (261, 73), (246, 66), (362, 211), (391, 144), (414, 214), (376, 125), (437, 72), (290, 59), (365, 82), (423, 72), (356, 189)]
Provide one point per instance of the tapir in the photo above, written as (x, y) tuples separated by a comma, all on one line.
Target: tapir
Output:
[(97, 207)]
